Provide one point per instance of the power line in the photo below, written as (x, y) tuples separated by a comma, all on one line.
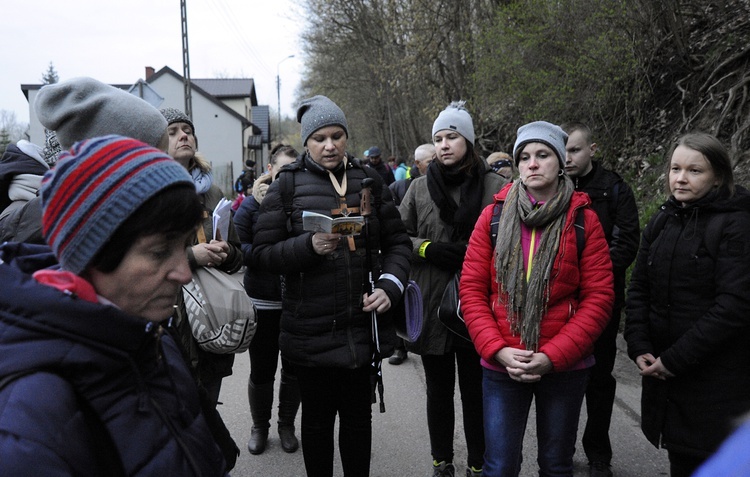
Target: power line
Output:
[(223, 9)]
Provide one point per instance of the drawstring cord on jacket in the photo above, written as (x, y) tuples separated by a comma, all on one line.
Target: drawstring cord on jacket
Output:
[(691, 221)]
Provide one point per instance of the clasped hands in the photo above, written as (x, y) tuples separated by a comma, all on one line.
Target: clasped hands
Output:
[(653, 367), (211, 254), (524, 366)]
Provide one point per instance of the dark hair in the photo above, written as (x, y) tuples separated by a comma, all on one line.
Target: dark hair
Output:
[(472, 158), (714, 152), (282, 150), (244, 181), (173, 211)]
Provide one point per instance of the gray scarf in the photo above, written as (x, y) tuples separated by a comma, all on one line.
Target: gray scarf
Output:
[(201, 179), (527, 299)]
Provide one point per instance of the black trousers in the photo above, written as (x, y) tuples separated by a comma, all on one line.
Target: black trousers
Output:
[(683, 465), (264, 349), (600, 393), (326, 393), (440, 377)]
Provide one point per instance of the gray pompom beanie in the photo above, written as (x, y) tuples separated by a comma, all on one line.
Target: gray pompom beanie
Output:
[(456, 118), (318, 112), (82, 108), (545, 133)]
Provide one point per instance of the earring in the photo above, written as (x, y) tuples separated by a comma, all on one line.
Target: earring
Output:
[(561, 173)]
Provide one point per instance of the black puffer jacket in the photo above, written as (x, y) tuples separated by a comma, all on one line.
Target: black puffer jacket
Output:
[(263, 287), (322, 322), (689, 304)]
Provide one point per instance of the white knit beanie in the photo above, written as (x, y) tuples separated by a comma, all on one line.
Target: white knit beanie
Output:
[(456, 118)]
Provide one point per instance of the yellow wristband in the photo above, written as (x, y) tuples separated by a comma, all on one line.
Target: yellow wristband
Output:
[(423, 247)]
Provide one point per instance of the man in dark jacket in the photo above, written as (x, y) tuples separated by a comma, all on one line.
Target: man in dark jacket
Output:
[(613, 201), (376, 162)]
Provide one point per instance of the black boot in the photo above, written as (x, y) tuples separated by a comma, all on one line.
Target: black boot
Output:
[(260, 397), (288, 405)]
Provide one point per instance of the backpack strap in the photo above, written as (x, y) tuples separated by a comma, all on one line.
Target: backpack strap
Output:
[(107, 457), (580, 232), (656, 224), (286, 188), (578, 225), (285, 179), (495, 222)]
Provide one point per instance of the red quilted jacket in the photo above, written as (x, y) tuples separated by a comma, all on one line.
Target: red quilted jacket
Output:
[(581, 295)]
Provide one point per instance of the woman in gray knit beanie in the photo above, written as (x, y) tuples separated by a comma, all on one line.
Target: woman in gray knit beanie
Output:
[(318, 112), (440, 210), (535, 319), (82, 108), (329, 307)]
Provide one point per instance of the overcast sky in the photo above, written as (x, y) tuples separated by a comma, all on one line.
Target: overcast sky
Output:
[(114, 40)]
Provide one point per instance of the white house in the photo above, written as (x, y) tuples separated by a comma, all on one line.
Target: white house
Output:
[(222, 112)]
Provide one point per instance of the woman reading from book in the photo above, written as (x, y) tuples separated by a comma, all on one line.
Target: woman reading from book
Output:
[(326, 328)]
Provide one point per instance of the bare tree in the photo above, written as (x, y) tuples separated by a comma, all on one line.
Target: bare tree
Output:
[(12, 130)]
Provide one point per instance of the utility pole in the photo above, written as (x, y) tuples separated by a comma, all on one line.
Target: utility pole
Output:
[(186, 63), (278, 92)]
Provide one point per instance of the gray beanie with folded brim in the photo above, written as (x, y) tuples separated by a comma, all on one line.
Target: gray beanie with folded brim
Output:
[(83, 108), (456, 118), (543, 132), (319, 112)]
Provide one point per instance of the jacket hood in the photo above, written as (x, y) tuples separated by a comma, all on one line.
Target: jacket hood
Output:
[(712, 202), (44, 328), (15, 162)]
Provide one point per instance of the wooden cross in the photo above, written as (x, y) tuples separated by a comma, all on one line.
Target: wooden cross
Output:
[(345, 211)]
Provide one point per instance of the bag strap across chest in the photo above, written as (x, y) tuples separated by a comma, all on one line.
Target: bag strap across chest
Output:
[(578, 225)]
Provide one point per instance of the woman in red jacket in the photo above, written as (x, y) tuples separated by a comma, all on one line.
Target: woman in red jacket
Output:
[(535, 303)]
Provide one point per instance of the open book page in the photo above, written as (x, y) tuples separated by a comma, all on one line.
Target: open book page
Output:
[(221, 217), (315, 222)]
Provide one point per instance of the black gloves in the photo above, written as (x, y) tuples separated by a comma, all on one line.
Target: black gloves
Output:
[(448, 256)]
